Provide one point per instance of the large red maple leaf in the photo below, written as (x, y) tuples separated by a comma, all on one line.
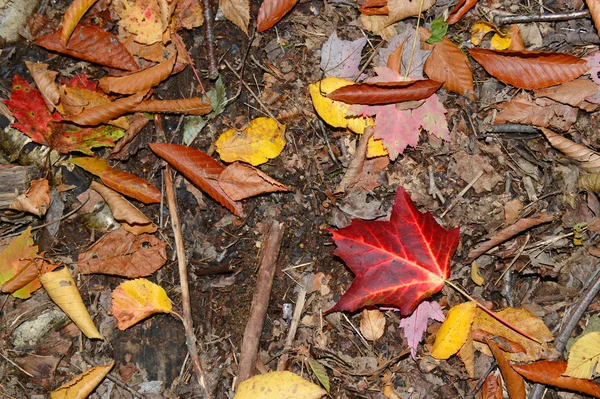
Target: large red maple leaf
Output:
[(399, 262)]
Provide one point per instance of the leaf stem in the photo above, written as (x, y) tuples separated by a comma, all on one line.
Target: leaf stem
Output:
[(412, 53), (492, 314)]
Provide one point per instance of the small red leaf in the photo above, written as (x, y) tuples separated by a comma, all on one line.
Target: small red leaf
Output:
[(530, 69), (385, 92), (460, 9), (271, 11), (399, 262), (200, 168)]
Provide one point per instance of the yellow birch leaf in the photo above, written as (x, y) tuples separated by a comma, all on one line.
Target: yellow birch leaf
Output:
[(278, 385), (134, 300), (454, 331), (584, 357), (260, 141), (63, 291), (500, 42), (83, 385)]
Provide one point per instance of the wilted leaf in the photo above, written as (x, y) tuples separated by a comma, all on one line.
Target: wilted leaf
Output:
[(402, 9), (99, 114), (320, 372), (385, 92), (515, 385), (589, 160), (141, 18), (278, 385), (16, 257), (550, 372), (454, 331), (237, 11), (460, 9), (530, 69), (590, 182), (44, 80), (341, 58), (542, 112), (271, 11), (584, 357), (139, 81), (71, 18), (83, 385), (415, 325), (189, 106), (61, 288), (372, 324), (573, 93), (260, 141), (35, 200), (134, 300), (241, 181)]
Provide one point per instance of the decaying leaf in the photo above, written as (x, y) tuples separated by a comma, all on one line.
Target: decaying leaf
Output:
[(139, 81), (588, 160), (35, 200), (82, 385), (278, 385), (271, 11), (341, 58), (541, 112), (454, 331), (134, 300), (188, 106), (142, 18), (44, 80), (72, 16), (241, 181), (402, 9), (372, 324), (107, 112), (237, 11)]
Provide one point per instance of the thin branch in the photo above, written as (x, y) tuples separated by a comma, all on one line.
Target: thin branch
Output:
[(522, 19)]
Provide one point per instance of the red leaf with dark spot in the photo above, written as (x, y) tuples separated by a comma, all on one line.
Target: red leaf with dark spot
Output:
[(385, 92), (200, 169), (530, 69), (271, 11), (399, 262), (460, 9)]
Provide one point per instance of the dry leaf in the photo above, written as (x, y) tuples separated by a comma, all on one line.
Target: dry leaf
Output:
[(139, 81), (241, 181), (237, 11), (385, 92), (584, 357), (134, 300), (44, 80), (35, 200), (515, 384), (590, 182), (460, 9), (105, 113), (271, 11), (594, 7), (278, 385), (467, 355), (588, 160), (82, 385), (454, 331), (372, 324), (402, 9), (550, 372), (572, 93), (542, 112), (189, 106), (71, 18)]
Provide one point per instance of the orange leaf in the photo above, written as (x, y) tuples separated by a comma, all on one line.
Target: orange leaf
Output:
[(550, 372), (530, 69), (123, 182), (134, 300), (271, 11), (138, 81), (385, 92), (92, 44), (515, 385), (460, 9), (15, 257), (189, 106), (200, 169), (71, 18), (492, 388), (104, 113), (29, 274), (503, 343), (594, 7), (241, 181), (394, 61), (35, 200), (516, 43)]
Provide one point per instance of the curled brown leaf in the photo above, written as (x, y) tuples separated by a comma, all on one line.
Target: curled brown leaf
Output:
[(189, 106), (138, 81), (515, 385), (386, 92), (550, 372), (44, 80), (241, 181), (460, 9), (104, 113), (588, 160), (71, 18), (271, 11)]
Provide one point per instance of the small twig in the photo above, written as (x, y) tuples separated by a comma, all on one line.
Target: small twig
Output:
[(300, 301), (522, 19), (512, 128), (213, 71), (111, 377), (185, 289), (17, 366), (462, 193), (519, 253), (414, 45), (434, 191)]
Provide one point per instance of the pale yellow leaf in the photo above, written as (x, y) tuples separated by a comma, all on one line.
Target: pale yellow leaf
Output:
[(82, 385), (454, 331), (372, 324), (584, 357), (402, 9), (278, 385), (141, 18), (475, 275), (237, 11), (134, 300), (467, 355)]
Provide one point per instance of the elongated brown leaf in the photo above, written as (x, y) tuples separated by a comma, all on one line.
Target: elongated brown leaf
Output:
[(460, 9), (106, 112), (44, 80), (200, 169), (189, 106), (71, 18), (588, 160), (492, 387), (123, 182), (549, 372), (515, 385), (594, 7), (271, 11), (386, 92), (503, 343), (138, 81), (241, 181), (92, 44), (530, 69)]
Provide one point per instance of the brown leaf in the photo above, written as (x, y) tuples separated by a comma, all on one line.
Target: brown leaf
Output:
[(200, 169), (124, 254), (71, 18), (374, 7), (542, 112), (515, 385), (35, 200), (460, 9), (138, 122), (516, 43), (572, 93), (530, 69), (402, 9), (104, 113), (355, 169), (271, 11), (503, 343), (588, 160), (237, 11), (394, 61), (27, 274), (92, 44), (492, 388), (594, 7), (386, 92), (240, 181), (189, 106), (139, 81), (44, 80), (549, 372), (590, 182)]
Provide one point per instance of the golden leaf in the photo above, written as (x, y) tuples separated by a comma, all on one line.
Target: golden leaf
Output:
[(278, 385), (454, 331), (584, 357), (82, 385), (134, 300)]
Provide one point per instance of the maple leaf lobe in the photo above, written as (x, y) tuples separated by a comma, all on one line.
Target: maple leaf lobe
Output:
[(399, 262)]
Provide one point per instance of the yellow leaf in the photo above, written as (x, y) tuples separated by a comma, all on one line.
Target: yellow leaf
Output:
[(63, 291), (479, 30), (475, 275), (375, 148), (584, 357), (454, 331), (500, 42), (83, 385), (278, 385), (262, 140), (134, 300), (372, 324)]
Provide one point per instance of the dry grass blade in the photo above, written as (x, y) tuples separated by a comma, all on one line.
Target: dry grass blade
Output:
[(385, 93), (271, 11), (189, 106), (588, 160), (594, 7), (138, 81), (71, 18), (106, 112), (44, 80), (530, 69)]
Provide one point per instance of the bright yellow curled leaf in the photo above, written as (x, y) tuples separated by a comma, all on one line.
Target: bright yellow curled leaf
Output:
[(278, 385), (476, 275), (134, 300), (260, 141), (584, 357), (83, 385), (454, 331), (500, 40)]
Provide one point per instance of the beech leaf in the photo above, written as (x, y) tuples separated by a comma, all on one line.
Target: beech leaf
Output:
[(402, 9), (189, 106), (515, 385), (271, 11), (550, 372), (44, 80), (372, 324), (278, 385), (139, 81), (385, 92), (71, 18), (415, 325), (588, 160), (93, 116), (460, 9), (241, 181)]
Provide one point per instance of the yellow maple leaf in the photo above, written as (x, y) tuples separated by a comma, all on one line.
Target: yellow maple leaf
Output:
[(278, 385), (584, 357), (454, 331), (82, 385), (134, 300), (260, 141)]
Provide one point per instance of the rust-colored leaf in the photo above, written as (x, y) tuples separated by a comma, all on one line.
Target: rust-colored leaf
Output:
[(460, 9), (530, 69), (71, 18), (35, 200), (492, 388), (123, 182), (28, 274), (92, 44), (503, 343), (199, 168), (588, 160), (44, 80), (106, 112), (394, 61), (385, 92), (241, 181), (271, 11), (515, 385), (594, 7), (138, 81), (550, 372), (189, 106)]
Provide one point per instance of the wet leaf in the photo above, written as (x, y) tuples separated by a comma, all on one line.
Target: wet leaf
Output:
[(82, 385), (241, 181), (139, 81), (189, 106), (134, 300), (71, 18), (584, 357), (385, 92), (278, 385), (550, 372), (271, 11), (454, 331)]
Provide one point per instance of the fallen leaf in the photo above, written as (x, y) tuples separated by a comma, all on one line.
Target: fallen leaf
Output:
[(188, 14), (385, 92), (372, 324), (467, 355), (16, 257), (82, 385), (590, 182), (588, 160), (44, 80), (542, 112), (72, 16), (105, 113), (476, 275), (402, 9), (550, 372), (492, 387), (594, 7), (341, 58), (278, 385), (35, 200), (460, 9), (416, 324), (505, 344), (571, 93), (271, 11), (412, 63), (28, 275), (454, 330), (241, 181), (584, 357), (320, 372), (188, 106), (139, 81), (515, 385), (141, 18), (237, 11), (134, 300)]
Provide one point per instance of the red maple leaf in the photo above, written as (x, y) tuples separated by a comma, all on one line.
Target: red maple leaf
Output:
[(397, 263)]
